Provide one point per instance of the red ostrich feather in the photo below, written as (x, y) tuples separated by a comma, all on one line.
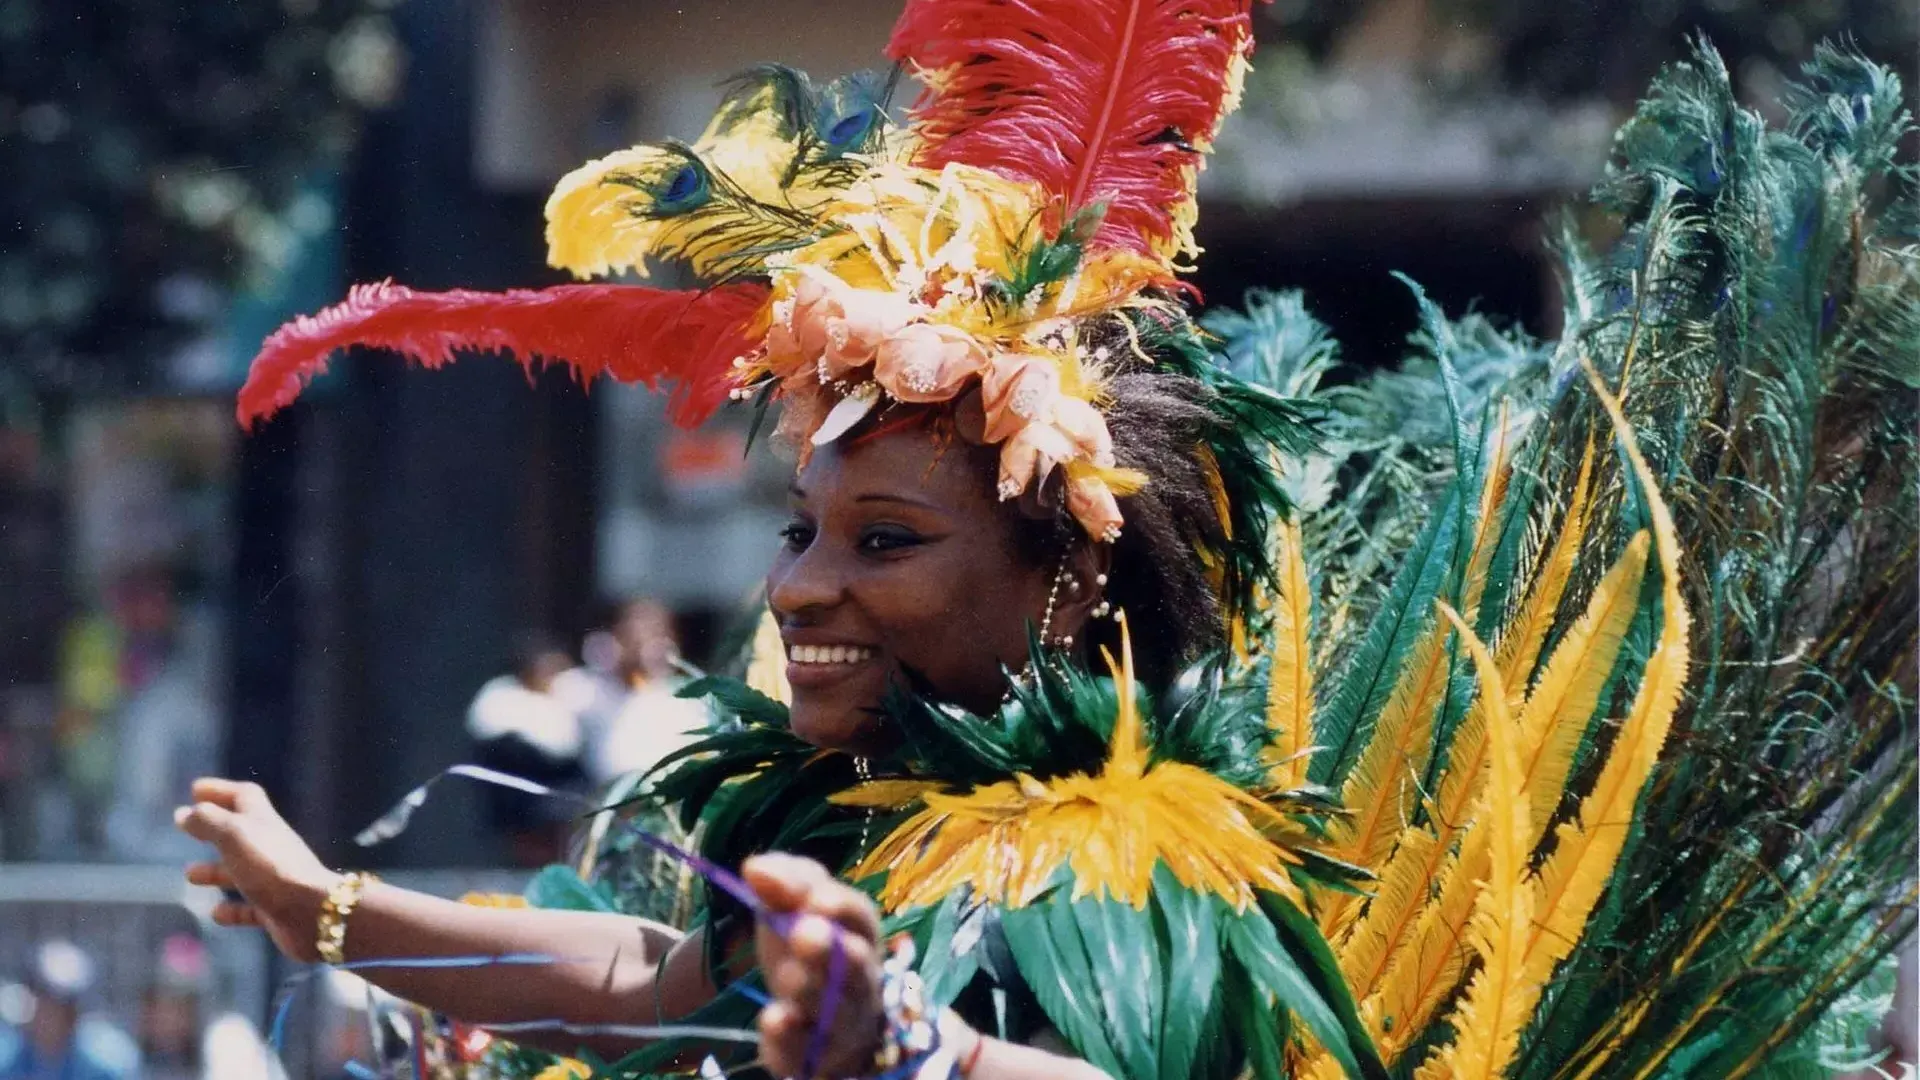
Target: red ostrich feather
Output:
[(630, 333), (1095, 100)]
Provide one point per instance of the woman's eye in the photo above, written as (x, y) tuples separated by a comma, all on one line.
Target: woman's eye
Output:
[(797, 536), (879, 541)]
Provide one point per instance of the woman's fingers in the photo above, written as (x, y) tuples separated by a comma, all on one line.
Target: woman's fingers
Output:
[(211, 874), (783, 882), (207, 822), (783, 1034), (789, 884), (235, 913), (846, 906), (801, 972), (239, 795)]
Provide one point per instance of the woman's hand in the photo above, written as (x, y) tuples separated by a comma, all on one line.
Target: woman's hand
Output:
[(796, 968), (281, 881)]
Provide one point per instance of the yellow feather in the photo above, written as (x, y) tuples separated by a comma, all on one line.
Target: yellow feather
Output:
[(1521, 641), (1380, 790), (1493, 492), (596, 223), (1560, 708), (1402, 893), (884, 794), (1380, 786), (767, 662), (1422, 975), (1575, 875), (1500, 999), (1290, 677)]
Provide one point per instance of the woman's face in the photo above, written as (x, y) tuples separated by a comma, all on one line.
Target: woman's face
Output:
[(898, 559)]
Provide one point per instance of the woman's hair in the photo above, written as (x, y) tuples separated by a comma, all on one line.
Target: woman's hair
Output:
[(1158, 577)]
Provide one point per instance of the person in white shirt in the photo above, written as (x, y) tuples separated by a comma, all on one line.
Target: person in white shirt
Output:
[(635, 718), (525, 728)]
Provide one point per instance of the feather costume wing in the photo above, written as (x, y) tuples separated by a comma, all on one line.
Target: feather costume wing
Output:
[(1100, 101), (631, 333)]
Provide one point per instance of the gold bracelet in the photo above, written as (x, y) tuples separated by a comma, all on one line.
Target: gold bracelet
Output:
[(342, 898)]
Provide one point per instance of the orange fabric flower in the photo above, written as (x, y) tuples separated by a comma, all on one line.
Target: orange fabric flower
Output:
[(1092, 504), (1031, 456), (928, 362), (1016, 390)]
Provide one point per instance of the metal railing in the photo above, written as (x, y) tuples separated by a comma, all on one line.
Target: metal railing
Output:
[(123, 916)]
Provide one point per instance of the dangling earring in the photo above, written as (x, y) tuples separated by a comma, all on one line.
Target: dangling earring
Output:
[(1105, 607), (1061, 576), (1027, 676)]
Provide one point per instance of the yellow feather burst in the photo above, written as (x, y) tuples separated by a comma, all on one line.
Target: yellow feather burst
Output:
[(1007, 840), (1501, 997), (1290, 677), (1586, 848)]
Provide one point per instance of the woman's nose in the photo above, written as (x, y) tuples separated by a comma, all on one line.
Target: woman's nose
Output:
[(805, 584)]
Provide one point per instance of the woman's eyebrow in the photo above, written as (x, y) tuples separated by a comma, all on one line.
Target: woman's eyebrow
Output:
[(904, 500)]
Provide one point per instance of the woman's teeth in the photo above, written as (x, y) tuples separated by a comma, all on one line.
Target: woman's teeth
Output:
[(828, 654)]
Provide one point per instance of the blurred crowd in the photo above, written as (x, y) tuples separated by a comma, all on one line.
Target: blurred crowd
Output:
[(54, 1024)]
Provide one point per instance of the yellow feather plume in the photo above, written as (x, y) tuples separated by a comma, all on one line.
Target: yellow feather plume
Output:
[(1290, 676), (1402, 891), (1424, 973), (1522, 640), (1381, 789), (1381, 785), (1500, 999), (1586, 848), (1558, 711)]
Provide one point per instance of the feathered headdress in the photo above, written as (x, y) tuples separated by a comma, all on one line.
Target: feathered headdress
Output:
[(1032, 210)]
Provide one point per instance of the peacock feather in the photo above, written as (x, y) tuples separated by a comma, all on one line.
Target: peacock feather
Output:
[(1694, 715)]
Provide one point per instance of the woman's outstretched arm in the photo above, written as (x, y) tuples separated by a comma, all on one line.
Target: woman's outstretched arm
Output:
[(608, 969)]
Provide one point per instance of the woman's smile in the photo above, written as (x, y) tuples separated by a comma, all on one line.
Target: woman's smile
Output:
[(816, 665)]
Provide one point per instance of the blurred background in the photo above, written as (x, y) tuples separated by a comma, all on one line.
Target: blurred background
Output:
[(407, 571)]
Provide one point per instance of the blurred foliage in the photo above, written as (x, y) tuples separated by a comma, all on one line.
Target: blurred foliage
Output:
[(154, 154), (1613, 48)]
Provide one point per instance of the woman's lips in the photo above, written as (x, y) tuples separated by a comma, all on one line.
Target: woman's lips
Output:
[(817, 666)]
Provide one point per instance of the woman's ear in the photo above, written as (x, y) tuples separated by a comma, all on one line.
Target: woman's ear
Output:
[(1084, 588)]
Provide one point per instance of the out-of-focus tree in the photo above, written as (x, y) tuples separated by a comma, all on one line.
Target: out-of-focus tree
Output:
[(155, 155), (1611, 49)]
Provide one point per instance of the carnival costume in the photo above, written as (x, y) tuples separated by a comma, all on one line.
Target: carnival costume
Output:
[(1567, 724)]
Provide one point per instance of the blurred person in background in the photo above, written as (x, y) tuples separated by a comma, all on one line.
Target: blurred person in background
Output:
[(526, 729), (59, 1040), (171, 1011), (633, 716)]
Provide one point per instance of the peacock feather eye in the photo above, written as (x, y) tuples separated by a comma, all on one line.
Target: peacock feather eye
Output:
[(686, 188), (850, 131)]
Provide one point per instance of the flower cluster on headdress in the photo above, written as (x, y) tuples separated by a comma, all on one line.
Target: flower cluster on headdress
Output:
[(930, 287)]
